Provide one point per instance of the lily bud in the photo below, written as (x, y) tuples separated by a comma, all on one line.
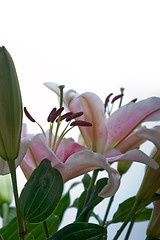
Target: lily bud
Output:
[(153, 229), (10, 108), (123, 167), (6, 191), (151, 180)]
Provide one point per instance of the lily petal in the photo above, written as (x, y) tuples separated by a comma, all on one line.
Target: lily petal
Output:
[(133, 141), (85, 161), (4, 168), (67, 96), (122, 122), (66, 148), (93, 108), (136, 156), (113, 184), (151, 134), (38, 150)]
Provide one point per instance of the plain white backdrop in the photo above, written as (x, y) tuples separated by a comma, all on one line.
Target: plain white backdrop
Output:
[(89, 45)]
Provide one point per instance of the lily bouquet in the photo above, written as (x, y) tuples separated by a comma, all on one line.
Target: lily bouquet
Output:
[(51, 158)]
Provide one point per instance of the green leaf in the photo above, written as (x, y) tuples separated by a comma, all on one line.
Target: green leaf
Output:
[(79, 231), (41, 193), (10, 232), (29, 237), (62, 206), (64, 203), (94, 199), (143, 214), (86, 180)]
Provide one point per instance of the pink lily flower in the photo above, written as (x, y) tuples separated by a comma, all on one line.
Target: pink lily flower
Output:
[(116, 131), (101, 140), (73, 160)]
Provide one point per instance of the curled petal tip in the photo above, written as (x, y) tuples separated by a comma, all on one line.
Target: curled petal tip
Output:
[(113, 184)]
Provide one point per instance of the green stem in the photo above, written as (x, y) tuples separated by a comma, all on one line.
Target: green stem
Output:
[(17, 203), (130, 228), (108, 209), (131, 214), (90, 188), (1, 238), (5, 210), (46, 229)]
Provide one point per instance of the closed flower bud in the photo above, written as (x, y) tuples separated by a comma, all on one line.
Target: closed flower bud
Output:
[(123, 167), (151, 180), (153, 229), (10, 108), (6, 192)]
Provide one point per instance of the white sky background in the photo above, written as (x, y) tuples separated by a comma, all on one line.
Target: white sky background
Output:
[(96, 46)]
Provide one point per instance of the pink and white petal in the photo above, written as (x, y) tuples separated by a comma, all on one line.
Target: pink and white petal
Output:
[(122, 122), (112, 186), (67, 96), (152, 135), (53, 87), (136, 156), (132, 141), (40, 150), (66, 148), (93, 108), (85, 161), (4, 168)]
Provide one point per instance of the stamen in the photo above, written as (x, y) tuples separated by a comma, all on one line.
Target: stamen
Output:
[(51, 113), (65, 116), (56, 114), (116, 98), (73, 116), (28, 115), (134, 100), (107, 100), (81, 124)]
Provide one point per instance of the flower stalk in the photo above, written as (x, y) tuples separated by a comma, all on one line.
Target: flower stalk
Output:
[(21, 228), (130, 216)]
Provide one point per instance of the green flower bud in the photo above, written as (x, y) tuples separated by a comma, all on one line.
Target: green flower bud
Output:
[(6, 191), (123, 167), (153, 229), (10, 108), (151, 180)]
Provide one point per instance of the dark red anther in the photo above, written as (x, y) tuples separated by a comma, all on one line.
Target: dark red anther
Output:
[(81, 124), (65, 115), (107, 100), (56, 114), (51, 113), (73, 116), (28, 115), (134, 100), (116, 98)]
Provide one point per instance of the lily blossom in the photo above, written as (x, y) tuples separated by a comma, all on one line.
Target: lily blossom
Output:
[(117, 131), (72, 160)]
